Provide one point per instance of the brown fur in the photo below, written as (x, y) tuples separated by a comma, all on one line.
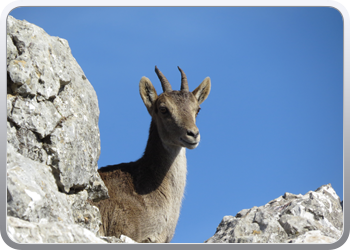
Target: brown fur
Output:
[(145, 195)]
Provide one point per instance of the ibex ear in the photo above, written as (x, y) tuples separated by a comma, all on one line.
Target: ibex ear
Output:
[(148, 93), (202, 91)]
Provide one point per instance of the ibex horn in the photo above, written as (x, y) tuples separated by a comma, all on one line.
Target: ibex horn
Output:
[(184, 84), (165, 83)]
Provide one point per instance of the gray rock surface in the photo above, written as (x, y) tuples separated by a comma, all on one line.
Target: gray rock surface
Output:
[(113, 239), (316, 217), (52, 109), (313, 237), (55, 232), (32, 191), (53, 141), (48, 232)]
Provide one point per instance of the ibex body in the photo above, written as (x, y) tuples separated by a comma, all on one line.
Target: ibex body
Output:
[(145, 195)]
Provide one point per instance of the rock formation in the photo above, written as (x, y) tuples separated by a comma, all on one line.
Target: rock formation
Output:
[(53, 141), (316, 217)]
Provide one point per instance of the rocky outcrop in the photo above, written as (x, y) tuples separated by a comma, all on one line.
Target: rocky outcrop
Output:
[(316, 217), (53, 141), (52, 109)]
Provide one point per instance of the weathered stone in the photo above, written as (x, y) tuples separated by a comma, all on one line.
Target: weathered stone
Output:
[(39, 117), (313, 237), (296, 225), (11, 52), (113, 239), (23, 80), (21, 231), (126, 239), (53, 141), (314, 217), (52, 108), (33, 190), (12, 135), (84, 214)]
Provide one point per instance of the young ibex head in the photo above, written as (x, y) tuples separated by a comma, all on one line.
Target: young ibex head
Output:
[(174, 112)]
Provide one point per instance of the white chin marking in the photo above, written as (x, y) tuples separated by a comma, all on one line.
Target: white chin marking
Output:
[(188, 145), (192, 146)]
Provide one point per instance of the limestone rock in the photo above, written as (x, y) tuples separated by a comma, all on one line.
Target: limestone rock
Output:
[(84, 214), (21, 231), (113, 239), (33, 192), (316, 217), (53, 141), (52, 109), (313, 237)]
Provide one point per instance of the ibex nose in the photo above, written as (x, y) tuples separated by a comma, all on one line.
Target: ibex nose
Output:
[(192, 133)]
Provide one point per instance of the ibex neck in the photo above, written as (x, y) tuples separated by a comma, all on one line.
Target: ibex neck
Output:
[(163, 163), (157, 152)]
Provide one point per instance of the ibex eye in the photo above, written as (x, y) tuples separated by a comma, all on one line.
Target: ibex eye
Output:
[(163, 110)]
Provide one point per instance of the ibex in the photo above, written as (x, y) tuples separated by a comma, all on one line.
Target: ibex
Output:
[(145, 195)]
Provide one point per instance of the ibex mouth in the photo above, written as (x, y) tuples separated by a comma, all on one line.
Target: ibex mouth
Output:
[(188, 144)]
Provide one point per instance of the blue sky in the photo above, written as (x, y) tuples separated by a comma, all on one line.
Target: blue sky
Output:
[(273, 122)]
